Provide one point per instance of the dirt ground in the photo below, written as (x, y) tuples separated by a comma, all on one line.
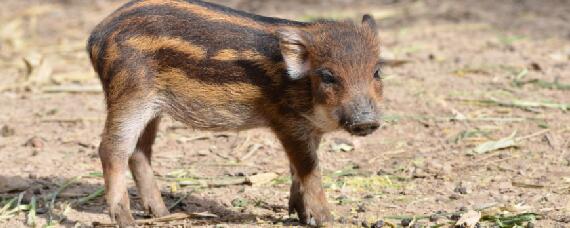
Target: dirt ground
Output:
[(477, 72)]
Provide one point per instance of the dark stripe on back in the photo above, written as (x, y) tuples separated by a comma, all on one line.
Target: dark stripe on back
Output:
[(255, 17)]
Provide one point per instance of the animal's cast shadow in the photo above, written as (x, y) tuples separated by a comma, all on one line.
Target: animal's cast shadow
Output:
[(42, 189)]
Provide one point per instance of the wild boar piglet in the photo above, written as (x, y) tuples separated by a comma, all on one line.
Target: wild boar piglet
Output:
[(215, 68)]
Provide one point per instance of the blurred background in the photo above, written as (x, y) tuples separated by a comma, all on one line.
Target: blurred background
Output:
[(476, 119)]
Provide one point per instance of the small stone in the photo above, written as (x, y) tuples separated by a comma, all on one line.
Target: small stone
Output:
[(461, 190), (433, 218), (7, 131), (35, 142), (378, 224), (342, 220), (361, 208), (455, 196), (455, 217), (369, 196), (406, 222), (364, 224), (530, 225), (535, 66), (13, 184), (355, 222), (203, 153), (383, 172)]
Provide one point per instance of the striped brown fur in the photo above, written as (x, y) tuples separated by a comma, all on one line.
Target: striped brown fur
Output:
[(215, 68)]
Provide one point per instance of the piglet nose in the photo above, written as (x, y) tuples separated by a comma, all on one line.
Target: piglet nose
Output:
[(364, 128)]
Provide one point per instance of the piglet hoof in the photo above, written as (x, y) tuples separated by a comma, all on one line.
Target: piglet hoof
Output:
[(158, 209), (311, 207), (122, 216)]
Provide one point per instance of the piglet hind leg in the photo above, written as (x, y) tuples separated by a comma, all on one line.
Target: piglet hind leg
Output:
[(140, 166), (307, 197), (124, 125)]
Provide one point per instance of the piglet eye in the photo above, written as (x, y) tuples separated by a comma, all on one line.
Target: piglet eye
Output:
[(378, 74), (327, 77)]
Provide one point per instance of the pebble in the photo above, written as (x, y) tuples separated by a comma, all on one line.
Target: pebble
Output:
[(406, 222), (7, 131), (13, 184), (378, 224), (455, 217), (35, 142), (361, 208), (461, 190), (433, 218)]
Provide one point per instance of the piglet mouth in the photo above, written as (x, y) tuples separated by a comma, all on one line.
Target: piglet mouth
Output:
[(363, 128)]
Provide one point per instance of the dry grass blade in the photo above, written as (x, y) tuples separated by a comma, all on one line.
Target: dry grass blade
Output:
[(522, 104), (503, 221), (556, 85), (152, 222), (533, 104), (217, 183), (8, 205), (96, 194), (54, 195), (179, 201), (6, 212), (31, 217), (251, 151), (5, 209), (526, 185)]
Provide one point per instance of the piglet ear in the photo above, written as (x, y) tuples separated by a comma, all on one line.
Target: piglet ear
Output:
[(293, 44), (368, 21)]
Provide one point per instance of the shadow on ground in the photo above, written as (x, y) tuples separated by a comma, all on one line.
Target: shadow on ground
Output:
[(42, 189)]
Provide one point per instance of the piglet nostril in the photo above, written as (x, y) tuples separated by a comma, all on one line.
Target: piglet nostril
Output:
[(374, 127)]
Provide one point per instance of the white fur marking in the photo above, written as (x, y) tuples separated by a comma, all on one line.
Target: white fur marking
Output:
[(132, 127), (296, 67)]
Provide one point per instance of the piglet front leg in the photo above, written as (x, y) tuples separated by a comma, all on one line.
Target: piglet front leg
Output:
[(307, 197)]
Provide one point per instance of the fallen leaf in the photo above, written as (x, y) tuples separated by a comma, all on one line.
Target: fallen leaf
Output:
[(261, 179), (205, 214), (496, 145), (506, 209), (38, 69), (341, 145), (469, 219)]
